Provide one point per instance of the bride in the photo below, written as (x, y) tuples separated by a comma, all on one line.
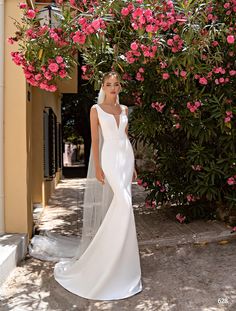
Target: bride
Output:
[(105, 263)]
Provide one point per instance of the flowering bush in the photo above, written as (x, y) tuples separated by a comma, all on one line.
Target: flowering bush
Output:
[(48, 53), (177, 60)]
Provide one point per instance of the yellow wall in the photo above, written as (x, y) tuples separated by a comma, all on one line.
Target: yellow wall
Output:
[(16, 145), (23, 139), (42, 189)]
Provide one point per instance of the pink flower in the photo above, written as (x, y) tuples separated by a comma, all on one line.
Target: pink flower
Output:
[(158, 106), (135, 26), (17, 58), (183, 73), (229, 113), (230, 39), (72, 2), (59, 59), (177, 125), (165, 76), (38, 77), (170, 42), (53, 67), (31, 14), (62, 73), (82, 20), (215, 43), (149, 28), (10, 40), (138, 12), (232, 73), (140, 182), (231, 181), (233, 229), (180, 218), (191, 198), (52, 88), (48, 75), (197, 104), (139, 77), (96, 24), (23, 5), (203, 81), (197, 167), (79, 37), (154, 204), (125, 11), (191, 107), (134, 46)]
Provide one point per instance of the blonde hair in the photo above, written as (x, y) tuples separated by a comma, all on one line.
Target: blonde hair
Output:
[(110, 74)]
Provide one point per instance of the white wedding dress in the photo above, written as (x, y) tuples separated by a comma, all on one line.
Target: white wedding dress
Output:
[(110, 266)]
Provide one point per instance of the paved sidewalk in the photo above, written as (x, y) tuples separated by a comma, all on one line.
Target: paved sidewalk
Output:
[(185, 267)]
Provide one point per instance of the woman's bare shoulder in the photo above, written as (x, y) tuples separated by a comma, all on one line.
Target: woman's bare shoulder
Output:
[(93, 109), (126, 108), (94, 106)]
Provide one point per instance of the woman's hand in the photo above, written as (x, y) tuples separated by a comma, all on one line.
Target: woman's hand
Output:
[(100, 175), (135, 175)]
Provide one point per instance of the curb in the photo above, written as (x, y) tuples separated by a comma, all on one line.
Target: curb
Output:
[(202, 238)]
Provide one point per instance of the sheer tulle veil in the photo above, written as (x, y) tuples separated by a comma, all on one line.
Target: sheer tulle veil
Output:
[(96, 201)]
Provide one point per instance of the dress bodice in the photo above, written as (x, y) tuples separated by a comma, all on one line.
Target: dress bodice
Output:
[(111, 129)]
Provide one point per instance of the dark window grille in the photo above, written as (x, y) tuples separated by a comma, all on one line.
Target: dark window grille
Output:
[(52, 149), (45, 145), (59, 146)]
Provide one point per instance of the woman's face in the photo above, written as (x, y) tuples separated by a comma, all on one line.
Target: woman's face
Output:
[(111, 86)]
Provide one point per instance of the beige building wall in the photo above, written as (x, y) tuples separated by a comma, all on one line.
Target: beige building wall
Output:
[(18, 217), (24, 180)]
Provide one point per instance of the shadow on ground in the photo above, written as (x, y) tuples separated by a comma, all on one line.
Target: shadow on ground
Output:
[(184, 278)]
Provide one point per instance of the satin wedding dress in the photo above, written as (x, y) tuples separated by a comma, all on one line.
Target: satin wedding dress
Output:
[(110, 266)]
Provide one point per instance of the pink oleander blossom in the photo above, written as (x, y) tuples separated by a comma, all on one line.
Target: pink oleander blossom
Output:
[(165, 76), (203, 81), (79, 37), (31, 14), (191, 198), (181, 218), (158, 106), (140, 182), (177, 125), (197, 167), (59, 59), (230, 39), (125, 11), (10, 40), (231, 181), (134, 46), (22, 5), (53, 67)]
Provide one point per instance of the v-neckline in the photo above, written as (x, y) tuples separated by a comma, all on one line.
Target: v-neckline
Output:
[(111, 114)]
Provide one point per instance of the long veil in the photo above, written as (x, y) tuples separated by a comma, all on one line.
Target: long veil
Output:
[(97, 198)]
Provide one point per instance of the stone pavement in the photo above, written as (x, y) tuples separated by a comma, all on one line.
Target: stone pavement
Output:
[(185, 267)]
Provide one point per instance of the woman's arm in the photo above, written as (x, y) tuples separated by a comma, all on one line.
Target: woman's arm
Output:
[(94, 123), (135, 175), (126, 129)]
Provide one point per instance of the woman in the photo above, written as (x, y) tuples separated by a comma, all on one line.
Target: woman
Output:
[(107, 265)]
